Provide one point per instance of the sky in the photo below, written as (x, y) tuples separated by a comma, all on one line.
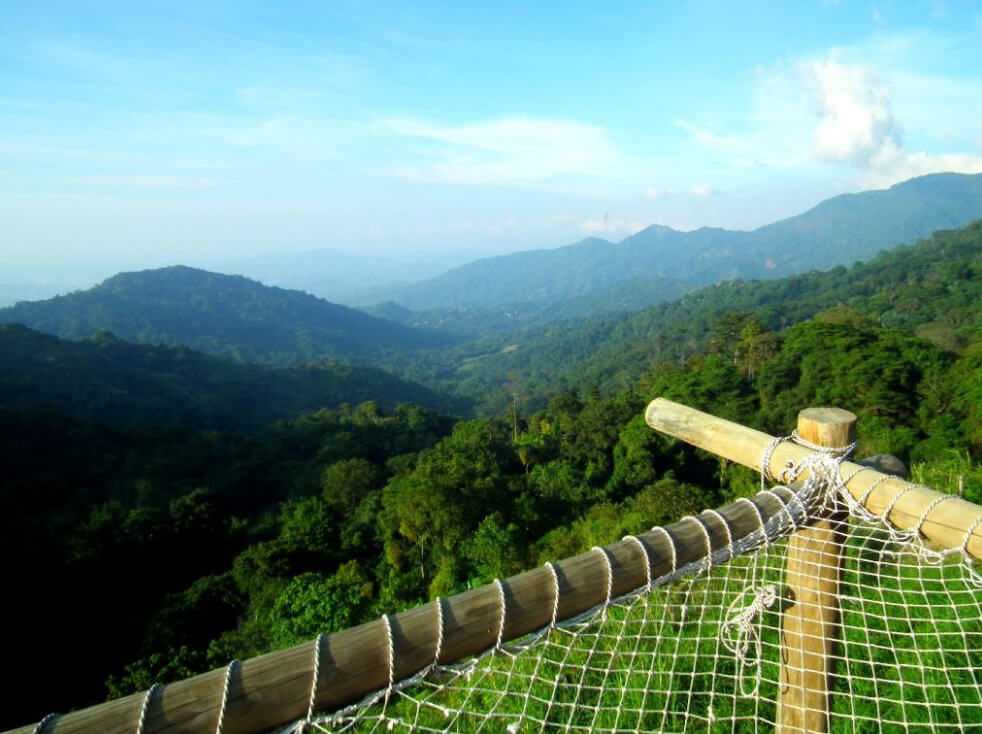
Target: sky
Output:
[(138, 134)]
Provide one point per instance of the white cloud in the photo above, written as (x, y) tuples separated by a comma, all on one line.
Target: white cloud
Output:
[(509, 150), (853, 104), (698, 191), (847, 108), (857, 126)]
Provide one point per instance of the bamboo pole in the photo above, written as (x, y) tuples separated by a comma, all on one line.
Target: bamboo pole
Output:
[(809, 625), (274, 689), (948, 524)]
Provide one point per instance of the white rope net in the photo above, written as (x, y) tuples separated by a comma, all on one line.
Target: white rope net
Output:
[(700, 649)]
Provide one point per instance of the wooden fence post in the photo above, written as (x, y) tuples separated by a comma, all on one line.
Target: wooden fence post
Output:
[(809, 626)]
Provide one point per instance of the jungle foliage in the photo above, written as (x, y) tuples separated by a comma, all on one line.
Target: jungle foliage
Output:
[(158, 550)]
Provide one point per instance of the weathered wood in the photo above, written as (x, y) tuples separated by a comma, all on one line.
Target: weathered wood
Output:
[(274, 689), (947, 524), (809, 624)]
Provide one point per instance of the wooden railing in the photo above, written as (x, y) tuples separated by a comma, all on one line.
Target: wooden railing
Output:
[(275, 689)]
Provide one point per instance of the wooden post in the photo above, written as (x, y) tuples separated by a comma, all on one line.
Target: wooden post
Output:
[(809, 626), (273, 690), (954, 523)]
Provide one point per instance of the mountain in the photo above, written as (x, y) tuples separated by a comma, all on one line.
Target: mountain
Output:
[(469, 321), (11, 293), (109, 381), (932, 289), (225, 315), (838, 231), (340, 276)]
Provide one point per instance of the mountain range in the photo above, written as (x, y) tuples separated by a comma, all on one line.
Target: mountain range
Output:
[(225, 315), (341, 277), (838, 231), (234, 483), (932, 289), (469, 350)]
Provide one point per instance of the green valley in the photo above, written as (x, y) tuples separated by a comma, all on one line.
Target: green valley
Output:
[(198, 509)]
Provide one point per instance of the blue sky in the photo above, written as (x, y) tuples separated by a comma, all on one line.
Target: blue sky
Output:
[(136, 134)]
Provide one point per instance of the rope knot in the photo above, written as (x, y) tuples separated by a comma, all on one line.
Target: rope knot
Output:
[(738, 632)]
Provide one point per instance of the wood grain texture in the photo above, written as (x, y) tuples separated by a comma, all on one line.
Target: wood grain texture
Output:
[(274, 689), (948, 524), (810, 622)]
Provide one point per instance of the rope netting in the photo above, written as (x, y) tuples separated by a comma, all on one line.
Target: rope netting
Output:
[(701, 647)]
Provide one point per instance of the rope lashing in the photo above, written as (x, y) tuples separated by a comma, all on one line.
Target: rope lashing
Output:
[(225, 690), (885, 517), (44, 722), (869, 490), (792, 470), (504, 611), (786, 504), (671, 546), (968, 537), (391, 648), (610, 577), (760, 517), (315, 678), (146, 707), (555, 600), (708, 561), (731, 552), (644, 553), (439, 631)]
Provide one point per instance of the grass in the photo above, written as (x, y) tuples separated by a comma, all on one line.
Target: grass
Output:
[(910, 659)]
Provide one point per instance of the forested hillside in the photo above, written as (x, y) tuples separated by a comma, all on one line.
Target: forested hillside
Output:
[(932, 289), (151, 487), (120, 541), (838, 231), (226, 315), (627, 296), (182, 549), (110, 381)]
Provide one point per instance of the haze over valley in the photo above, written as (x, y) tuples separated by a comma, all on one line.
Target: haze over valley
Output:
[(495, 322), (315, 312)]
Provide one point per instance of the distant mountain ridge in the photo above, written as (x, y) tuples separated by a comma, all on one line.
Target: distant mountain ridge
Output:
[(224, 315), (626, 296), (837, 231), (932, 289), (341, 277)]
